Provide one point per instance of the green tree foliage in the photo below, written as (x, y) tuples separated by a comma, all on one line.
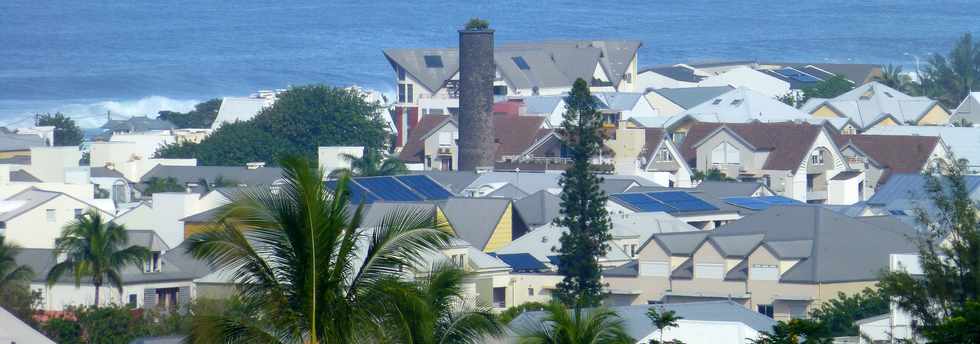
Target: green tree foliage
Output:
[(662, 319), (308, 271), (62, 330), (476, 24), (510, 313), (157, 184), (109, 325), (563, 326), (839, 314), (892, 76), (583, 203), (433, 310), (16, 295), (93, 249), (201, 117), (790, 99), (796, 331), (303, 119), (66, 132), (374, 163), (829, 88), (944, 297), (950, 78), (713, 174)]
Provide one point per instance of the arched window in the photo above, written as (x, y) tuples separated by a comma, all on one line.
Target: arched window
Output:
[(724, 153)]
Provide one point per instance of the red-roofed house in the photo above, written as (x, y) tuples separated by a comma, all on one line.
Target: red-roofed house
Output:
[(880, 156)]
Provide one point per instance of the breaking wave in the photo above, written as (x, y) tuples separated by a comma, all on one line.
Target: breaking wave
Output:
[(90, 115)]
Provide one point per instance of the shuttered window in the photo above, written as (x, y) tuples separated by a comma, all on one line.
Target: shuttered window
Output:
[(707, 270), (654, 269)]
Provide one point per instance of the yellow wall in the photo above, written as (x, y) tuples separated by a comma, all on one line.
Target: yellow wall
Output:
[(502, 233), (192, 228), (825, 111), (441, 219), (936, 116), (11, 154), (887, 122)]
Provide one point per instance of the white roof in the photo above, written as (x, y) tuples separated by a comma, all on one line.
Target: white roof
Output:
[(969, 109), (750, 78), (741, 105), (964, 142), (868, 104), (238, 109)]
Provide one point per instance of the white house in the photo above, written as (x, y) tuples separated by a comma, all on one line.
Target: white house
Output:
[(234, 109), (750, 78), (34, 218), (675, 76), (968, 110), (897, 324)]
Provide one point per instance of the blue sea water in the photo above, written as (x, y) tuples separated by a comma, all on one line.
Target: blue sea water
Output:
[(136, 57)]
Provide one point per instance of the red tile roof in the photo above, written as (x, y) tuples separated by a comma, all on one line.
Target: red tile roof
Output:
[(414, 149), (513, 135), (897, 153), (788, 143)]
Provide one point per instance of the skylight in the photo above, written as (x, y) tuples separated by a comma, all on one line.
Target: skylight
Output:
[(519, 61), (736, 102), (433, 61), (716, 102)]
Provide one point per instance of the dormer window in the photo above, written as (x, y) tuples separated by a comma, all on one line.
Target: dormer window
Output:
[(816, 158), (433, 61), (459, 260), (152, 263)]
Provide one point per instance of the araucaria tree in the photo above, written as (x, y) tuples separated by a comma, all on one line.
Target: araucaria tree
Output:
[(583, 203), (92, 249), (944, 298)]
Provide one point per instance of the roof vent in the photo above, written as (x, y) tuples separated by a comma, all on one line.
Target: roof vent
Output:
[(254, 165), (544, 239)]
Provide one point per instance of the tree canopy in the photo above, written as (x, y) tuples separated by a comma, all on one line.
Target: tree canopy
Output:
[(829, 88), (66, 132), (950, 78), (201, 117), (302, 119)]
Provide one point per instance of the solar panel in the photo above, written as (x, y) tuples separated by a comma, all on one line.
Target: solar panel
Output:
[(388, 189), (779, 200), (553, 260), (750, 203), (520, 62), (682, 201), (357, 193), (642, 203), (522, 261), (425, 186)]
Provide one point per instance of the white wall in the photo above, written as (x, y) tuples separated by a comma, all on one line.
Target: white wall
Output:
[(168, 209), (332, 158), (146, 144), (61, 295), (49, 163), (32, 228), (706, 332)]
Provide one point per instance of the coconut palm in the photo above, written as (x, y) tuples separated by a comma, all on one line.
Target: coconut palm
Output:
[(564, 326), (951, 78), (373, 163), (306, 270), (892, 76), (433, 310), (93, 249), (662, 319), (11, 274)]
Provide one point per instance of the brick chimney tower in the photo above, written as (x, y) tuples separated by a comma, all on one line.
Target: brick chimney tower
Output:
[(476, 74)]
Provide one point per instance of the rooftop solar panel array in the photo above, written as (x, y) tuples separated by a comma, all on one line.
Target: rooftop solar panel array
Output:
[(667, 201), (393, 189), (641, 202), (760, 203), (522, 262)]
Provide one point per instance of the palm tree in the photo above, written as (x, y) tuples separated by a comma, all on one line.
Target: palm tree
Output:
[(11, 274), (373, 163), (563, 326), (433, 310), (306, 270), (93, 248), (662, 320), (951, 78), (891, 76)]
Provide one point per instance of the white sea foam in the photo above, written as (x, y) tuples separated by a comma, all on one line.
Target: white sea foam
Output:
[(93, 114)]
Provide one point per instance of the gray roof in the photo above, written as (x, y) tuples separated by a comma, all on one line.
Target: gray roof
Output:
[(455, 181), (137, 124), (24, 201), (912, 187), (538, 105), (375, 213), (474, 219), (239, 174), (23, 176), (104, 172), (159, 340), (612, 186), (689, 97), (680, 244), (203, 217), (741, 105), (871, 103), (617, 101), (963, 142), (676, 72), (17, 160), (729, 189), (529, 182), (838, 249), (552, 64), (737, 245), (539, 208), (508, 191), (20, 142)]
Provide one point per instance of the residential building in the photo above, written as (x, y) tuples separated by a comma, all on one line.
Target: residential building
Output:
[(781, 261), (674, 101), (690, 207), (34, 218), (903, 194), (428, 79), (968, 112), (538, 209), (961, 141), (709, 322), (669, 76), (234, 109), (137, 124), (132, 159), (746, 77), (13, 145), (874, 104), (646, 152), (856, 73), (897, 325), (797, 160), (880, 156), (252, 174), (337, 157)]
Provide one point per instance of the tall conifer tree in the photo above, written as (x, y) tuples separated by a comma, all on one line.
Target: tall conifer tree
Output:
[(583, 203)]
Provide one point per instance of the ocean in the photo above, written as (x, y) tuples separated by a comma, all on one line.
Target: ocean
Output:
[(136, 57)]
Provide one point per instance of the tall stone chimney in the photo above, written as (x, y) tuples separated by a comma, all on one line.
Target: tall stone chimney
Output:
[(476, 74)]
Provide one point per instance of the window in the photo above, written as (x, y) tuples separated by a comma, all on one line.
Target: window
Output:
[(167, 297), (629, 77), (78, 213), (401, 74), (50, 214), (736, 102), (530, 291), (724, 153), (519, 61), (764, 272), (500, 90), (405, 93), (458, 260), (709, 270), (433, 61), (678, 137), (152, 264), (765, 310), (816, 158), (132, 301), (716, 102), (445, 139), (500, 297), (653, 269), (663, 155)]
